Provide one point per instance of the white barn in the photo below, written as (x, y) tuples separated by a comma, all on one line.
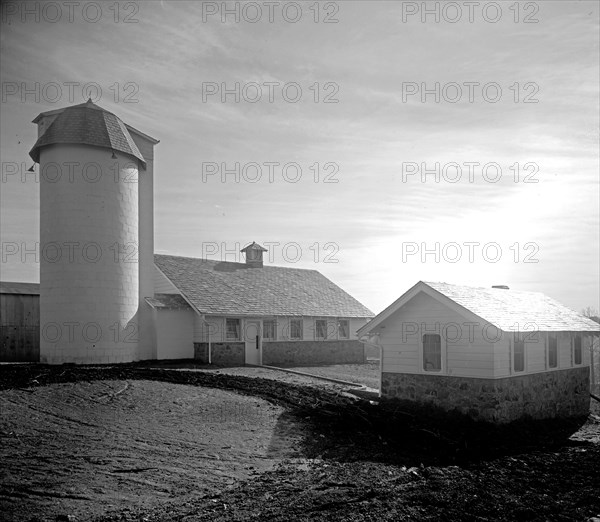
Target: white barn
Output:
[(494, 354), (255, 314)]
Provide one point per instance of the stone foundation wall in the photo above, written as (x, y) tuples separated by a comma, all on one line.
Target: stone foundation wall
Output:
[(222, 353), (313, 352), (547, 395), (286, 352)]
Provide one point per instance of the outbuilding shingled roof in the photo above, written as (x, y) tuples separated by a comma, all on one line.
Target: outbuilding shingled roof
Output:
[(216, 287), (88, 124), (508, 310)]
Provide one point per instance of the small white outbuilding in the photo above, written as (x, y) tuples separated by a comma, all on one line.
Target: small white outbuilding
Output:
[(494, 354)]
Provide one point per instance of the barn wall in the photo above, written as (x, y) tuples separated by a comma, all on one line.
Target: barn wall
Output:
[(313, 352), (221, 353), (175, 330), (217, 328), (19, 328), (355, 324), (283, 350), (545, 395), (214, 330)]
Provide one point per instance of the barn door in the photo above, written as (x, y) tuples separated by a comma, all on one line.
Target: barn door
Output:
[(253, 340)]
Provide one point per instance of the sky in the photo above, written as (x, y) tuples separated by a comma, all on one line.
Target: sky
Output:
[(381, 143)]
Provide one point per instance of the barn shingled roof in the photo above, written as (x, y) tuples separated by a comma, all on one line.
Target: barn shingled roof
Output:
[(88, 124), (216, 287)]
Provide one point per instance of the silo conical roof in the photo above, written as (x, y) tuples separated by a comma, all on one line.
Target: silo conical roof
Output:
[(88, 124)]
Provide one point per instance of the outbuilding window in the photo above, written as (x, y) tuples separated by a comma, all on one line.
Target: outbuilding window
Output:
[(518, 354), (269, 330), (343, 329), (577, 353), (432, 352), (232, 329), (296, 329), (321, 328), (552, 351)]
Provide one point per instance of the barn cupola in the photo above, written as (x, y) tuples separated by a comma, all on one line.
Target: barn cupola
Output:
[(254, 255)]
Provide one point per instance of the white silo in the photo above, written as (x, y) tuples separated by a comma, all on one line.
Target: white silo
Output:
[(89, 236)]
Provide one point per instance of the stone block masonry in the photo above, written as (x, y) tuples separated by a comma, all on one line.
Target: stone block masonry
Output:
[(221, 353), (545, 395), (286, 352), (313, 352)]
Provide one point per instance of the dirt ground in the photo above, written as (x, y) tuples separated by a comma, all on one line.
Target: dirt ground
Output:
[(365, 374), (129, 443), (109, 445)]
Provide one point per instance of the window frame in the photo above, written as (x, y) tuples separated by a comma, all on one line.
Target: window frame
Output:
[(347, 322), (301, 323), (274, 323), (323, 323), (238, 330), (551, 338), (425, 344)]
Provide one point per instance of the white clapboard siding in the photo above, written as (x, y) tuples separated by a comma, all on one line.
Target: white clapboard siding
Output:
[(332, 328), (355, 324), (535, 354), (174, 334), (565, 356), (283, 328), (587, 343), (309, 328), (502, 356), (214, 329), (460, 356)]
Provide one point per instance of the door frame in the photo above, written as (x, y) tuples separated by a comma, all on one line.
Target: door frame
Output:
[(251, 344)]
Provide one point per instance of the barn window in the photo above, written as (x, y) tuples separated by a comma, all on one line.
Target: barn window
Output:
[(552, 351), (269, 330), (577, 349), (296, 329), (232, 329), (518, 354), (344, 329), (321, 328), (432, 352)]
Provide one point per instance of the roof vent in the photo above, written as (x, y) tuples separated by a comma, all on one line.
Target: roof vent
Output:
[(254, 255), (501, 287)]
